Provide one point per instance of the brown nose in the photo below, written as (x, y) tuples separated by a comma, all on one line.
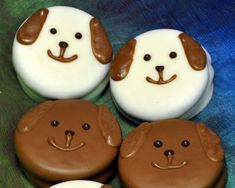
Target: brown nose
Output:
[(71, 132), (159, 68), (169, 152), (63, 44)]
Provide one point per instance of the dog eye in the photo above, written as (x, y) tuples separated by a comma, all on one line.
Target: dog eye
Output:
[(78, 35), (185, 143), (86, 126), (173, 55), (147, 57), (54, 123), (158, 143), (53, 31)]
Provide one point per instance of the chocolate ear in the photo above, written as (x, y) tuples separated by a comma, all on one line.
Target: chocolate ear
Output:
[(106, 186), (109, 127), (31, 118), (100, 44), (134, 141), (122, 61), (30, 30), (211, 143), (194, 52)]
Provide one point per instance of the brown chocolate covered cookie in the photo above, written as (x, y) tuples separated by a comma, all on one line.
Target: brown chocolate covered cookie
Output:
[(172, 153), (66, 140)]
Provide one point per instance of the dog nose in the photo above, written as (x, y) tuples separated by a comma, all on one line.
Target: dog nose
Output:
[(63, 44), (71, 132), (169, 152), (159, 68)]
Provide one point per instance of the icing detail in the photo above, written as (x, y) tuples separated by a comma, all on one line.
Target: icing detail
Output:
[(134, 141), (101, 46), (30, 30), (195, 54), (61, 57), (122, 61), (211, 143), (161, 80), (109, 127), (169, 164), (31, 118), (68, 140)]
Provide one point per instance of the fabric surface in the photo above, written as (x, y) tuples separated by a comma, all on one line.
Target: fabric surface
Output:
[(211, 22)]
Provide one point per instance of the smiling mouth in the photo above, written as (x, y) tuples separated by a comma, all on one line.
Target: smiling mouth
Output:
[(169, 164), (67, 147), (161, 81), (61, 57), (156, 165)]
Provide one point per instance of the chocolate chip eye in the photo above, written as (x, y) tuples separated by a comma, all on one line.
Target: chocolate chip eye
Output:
[(54, 123), (158, 143), (185, 143), (147, 57), (53, 31), (86, 126), (173, 55), (78, 35)]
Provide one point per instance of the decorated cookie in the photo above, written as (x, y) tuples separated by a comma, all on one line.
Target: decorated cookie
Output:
[(172, 153), (60, 53), (80, 184), (161, 74), (66, 140)]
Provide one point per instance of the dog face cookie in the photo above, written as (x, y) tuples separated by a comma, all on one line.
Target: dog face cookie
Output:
[(162, 74), (62, 52), (172, 153), (67, 139), (80, 184)]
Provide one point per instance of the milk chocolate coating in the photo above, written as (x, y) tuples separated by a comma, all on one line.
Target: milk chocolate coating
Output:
[(194, 52), (30, 30), (101, 46), (171, 164), (106, 186), (67, 151), (122, 61)]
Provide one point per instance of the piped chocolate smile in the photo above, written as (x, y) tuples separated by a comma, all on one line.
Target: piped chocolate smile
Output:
[(161, 80), (68, 139), (61, 58), (169, 154)]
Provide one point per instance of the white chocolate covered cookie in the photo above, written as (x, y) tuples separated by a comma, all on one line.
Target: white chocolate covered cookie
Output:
[(161, 74), (80, 184), (62, 52)]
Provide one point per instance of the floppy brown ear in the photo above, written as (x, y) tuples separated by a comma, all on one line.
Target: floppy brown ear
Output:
[(31, 118), (30, 30), (109, 127), (211, 143), (100, 44), (106, 186), (194, 52), (122, 61), (134, 140)]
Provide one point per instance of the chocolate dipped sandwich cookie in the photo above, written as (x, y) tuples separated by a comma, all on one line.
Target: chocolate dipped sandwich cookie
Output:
[(80, 184), (172, 153), (61, 53), (64, 140), (161, 74)]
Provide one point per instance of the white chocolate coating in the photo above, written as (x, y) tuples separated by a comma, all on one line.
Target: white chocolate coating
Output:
[(78, 184), (51, 78), (184, 97)]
